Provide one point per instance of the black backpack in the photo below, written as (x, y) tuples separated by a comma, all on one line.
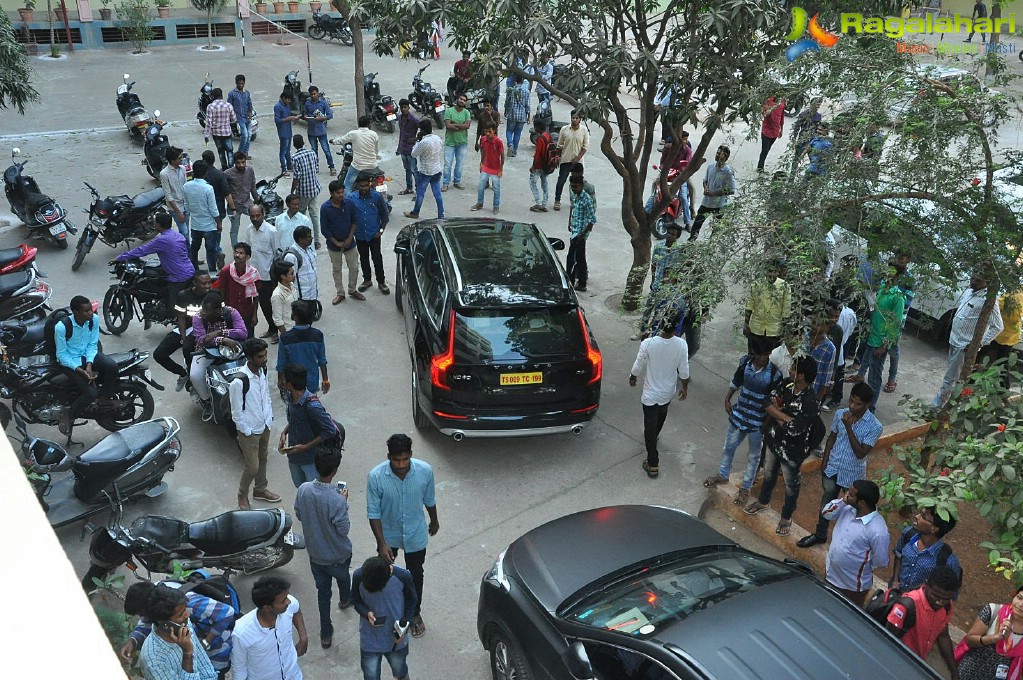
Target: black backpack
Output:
[(59, 316), (881, 602), (818, 430), (336, 443)]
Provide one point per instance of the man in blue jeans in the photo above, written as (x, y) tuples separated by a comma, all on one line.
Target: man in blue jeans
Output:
[(241, 100), (317, 113), (308, 426), (385, 598), (205, 215), (283, 118), (323, 510)]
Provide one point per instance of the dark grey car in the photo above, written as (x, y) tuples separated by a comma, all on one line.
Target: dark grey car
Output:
[(641, 592)]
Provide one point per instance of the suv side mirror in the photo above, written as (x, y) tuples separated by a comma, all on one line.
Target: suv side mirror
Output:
[(576, 659), (556, 243), (401, 247)]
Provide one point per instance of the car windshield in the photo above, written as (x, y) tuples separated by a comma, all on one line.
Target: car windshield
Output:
[(654, 599), (496, 335)]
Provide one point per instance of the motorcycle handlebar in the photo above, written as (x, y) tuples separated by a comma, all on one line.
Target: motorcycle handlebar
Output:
[(92, 189)]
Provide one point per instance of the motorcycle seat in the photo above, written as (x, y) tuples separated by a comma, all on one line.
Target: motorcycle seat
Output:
[(125, 446), (8, 255), (36, 201), (167, 532), (147, 199), (14, 281), (122, 358), (28, 333), (233, 531)]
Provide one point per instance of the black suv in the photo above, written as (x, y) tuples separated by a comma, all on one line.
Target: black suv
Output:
[(499, 344)]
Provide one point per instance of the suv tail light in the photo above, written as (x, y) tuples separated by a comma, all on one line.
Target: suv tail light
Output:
[(440, 363), (592, 353)]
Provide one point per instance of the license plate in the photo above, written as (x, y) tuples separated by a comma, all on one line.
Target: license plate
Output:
[(57, 229), (289, 538), (534, 378), (382, 188), (439, 106), (392, 116)]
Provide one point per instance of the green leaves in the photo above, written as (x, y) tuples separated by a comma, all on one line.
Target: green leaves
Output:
[(15, 74)]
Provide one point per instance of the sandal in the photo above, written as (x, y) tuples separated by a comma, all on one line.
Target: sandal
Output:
[(857, 378), (714, 480), (406, 192), (890, 386), (418, 627), (742, 497), (784, 527), (651, 470)]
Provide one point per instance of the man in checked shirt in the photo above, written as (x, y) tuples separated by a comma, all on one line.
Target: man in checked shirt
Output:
[(219, 116)]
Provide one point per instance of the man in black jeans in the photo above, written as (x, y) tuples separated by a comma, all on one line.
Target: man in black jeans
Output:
[(367, 210), (77, 349), (187, 305)]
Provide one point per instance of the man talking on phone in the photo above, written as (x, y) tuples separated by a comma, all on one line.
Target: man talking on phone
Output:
[(173, 651)]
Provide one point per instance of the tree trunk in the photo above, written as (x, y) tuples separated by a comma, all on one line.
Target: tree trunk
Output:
[(209, 27), (360, 50), (978, 334)]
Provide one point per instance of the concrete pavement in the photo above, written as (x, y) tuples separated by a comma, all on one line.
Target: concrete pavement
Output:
[(488, 492)]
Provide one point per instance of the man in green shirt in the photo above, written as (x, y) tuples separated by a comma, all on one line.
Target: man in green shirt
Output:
[(456, 141), (885, 329)]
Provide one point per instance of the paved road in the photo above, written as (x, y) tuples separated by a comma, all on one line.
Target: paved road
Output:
[(488, 493)]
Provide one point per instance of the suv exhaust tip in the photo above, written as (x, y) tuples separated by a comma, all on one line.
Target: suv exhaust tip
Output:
[(578, 429), (458, 435)]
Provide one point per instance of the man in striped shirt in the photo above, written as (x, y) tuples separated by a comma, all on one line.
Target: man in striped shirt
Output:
[(754, 380), (860, 542)]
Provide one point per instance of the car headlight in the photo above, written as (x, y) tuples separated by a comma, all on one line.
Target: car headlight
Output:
[(496, 576)]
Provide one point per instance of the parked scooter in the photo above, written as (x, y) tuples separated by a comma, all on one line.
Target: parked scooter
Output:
[(473, 97), (269, 199), (42, 215), (377, 178), (426, 100), (17, 259), (225, 361), (205, 99), (544, 113), (673, 209), (380, 108), (123, 466), (155, 148), (117, 219), (133, 113), (139, 292), (326, 25), (247, 541), (23, 296)]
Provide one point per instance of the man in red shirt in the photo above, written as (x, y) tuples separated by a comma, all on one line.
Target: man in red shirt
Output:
[(237, 282), (770, 131), (491, 166), (538, 171), (920, 617), (463, 68)]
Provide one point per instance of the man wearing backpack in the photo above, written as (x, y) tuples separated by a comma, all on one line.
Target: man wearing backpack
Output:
[(920, 550), (754, 380), (540, 169), (792, 410), (76, 345), (309, 425), (303, 345), (854, 431), (253, 416), (920, 618), (302, 256)]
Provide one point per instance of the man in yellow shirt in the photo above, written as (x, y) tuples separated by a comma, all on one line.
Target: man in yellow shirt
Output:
[(1011, 307), (768, 305)]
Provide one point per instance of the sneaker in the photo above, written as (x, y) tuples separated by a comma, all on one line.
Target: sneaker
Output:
[(784, 527), (384, 289), (557, 205), (267, 495), (182, 381), (356, 295), (344, 604), (326, 641), (365, 285), (459, 186), (651, 470), (412, 215), (496, 210), (478, 206), (444, 188), (535, 208), (754, 507), (639, 335)]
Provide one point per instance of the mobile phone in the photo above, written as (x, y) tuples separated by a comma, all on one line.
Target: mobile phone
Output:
[(341, 486), (170, 627), (380, 622)]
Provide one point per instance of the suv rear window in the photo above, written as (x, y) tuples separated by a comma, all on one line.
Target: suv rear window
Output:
[(516, 335)]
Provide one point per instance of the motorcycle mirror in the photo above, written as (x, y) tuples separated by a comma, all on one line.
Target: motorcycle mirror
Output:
[(15, 152), (127, 75), (156, 113)]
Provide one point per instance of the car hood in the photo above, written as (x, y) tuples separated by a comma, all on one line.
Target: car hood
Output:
[(791, 629), (562, 557)]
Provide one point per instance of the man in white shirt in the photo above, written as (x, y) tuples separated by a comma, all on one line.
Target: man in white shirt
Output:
[(253, 416), (263, 645), (263, 239), (859, 543), (365, 150), (429, 154), (963, 324), (303, 256), (290, 220), (666, 360), (718, 185)]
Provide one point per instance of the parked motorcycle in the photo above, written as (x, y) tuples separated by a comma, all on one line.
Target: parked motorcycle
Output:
[(140, 292), (672, 211), (23, 296), (155, 148), (42, 215), (247, 541), (473, 97), (27, 337), (326, 25), (17, 259), (269, 199), (225, 361), (117, 219), (133, 113), (382, 109), (205, 99), (544, 113), (40, 391), (377, 178), (123, 466), (426, 100)]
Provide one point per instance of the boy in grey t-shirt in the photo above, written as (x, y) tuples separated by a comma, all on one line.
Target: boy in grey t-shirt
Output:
[(385, 598)]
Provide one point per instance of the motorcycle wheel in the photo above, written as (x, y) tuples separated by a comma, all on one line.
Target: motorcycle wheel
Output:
[(316, 32), (142, 409), (439, 121), (661, 228), (389, 127), (5, 416), (346, 37), (61, 243), (81, 250), (95, 571), (155, 174), (117, 310), (263, 559)]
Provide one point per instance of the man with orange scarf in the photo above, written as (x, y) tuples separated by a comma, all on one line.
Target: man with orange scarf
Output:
[(237, 282)]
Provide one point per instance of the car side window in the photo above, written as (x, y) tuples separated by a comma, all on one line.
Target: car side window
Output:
[(432, 286), (610, 661)]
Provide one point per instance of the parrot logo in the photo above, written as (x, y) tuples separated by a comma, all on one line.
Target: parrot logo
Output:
[(818, 36)]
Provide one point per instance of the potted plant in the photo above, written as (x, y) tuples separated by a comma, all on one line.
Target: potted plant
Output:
[(60, 12), (315, 6), (26, 11), (163, 8), (293, 6), (105, 12), (278, 8), (261, 8)]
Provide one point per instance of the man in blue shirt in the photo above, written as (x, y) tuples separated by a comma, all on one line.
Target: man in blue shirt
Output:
[(308, 426), (303, 345), (396, 493), (385, 598), (367, 211), (241, 100), (340, 237), (77, 343), (317, 113), (283, 119), (204, 214), (172, 249)]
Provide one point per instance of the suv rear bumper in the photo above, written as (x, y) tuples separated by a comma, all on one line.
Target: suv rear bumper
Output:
[(459, 433), (479, 425)]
